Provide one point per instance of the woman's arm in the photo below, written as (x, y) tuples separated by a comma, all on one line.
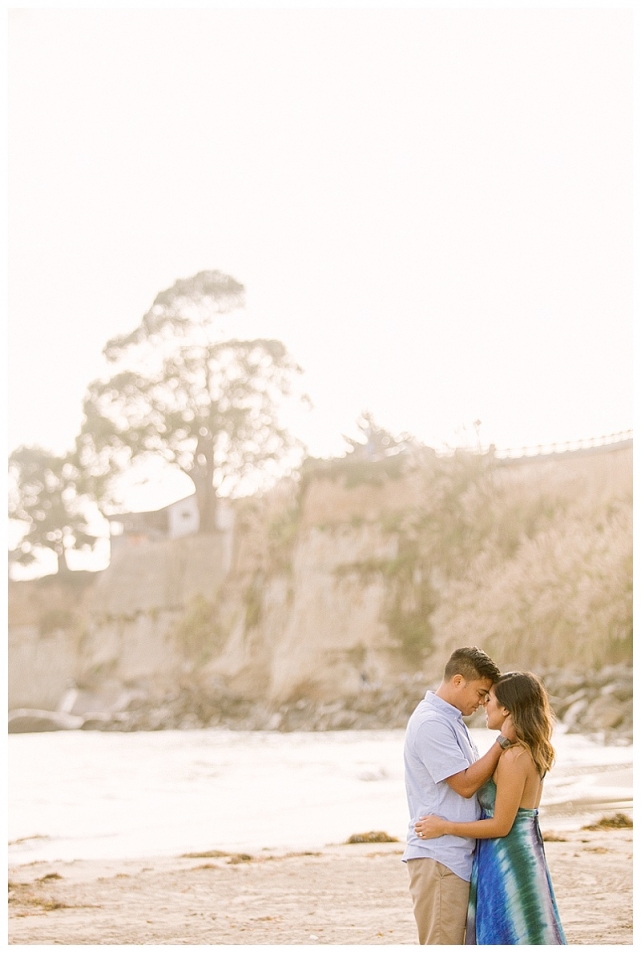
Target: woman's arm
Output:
[(511, 774), (467, 782)]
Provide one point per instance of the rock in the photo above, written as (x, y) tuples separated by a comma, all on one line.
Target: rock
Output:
[(110, 696), (604, 713), (620, 689), (103, 721), (558, 682), (343, 721), (597, 701), (611, 673), (365, 703), (582, 703), (34, 719), (564, 704), (189, 721)]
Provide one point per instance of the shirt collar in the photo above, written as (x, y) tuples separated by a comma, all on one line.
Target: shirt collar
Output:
[(437, 702)]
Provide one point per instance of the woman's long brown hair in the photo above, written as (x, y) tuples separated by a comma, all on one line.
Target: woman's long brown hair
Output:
[(524, 696)]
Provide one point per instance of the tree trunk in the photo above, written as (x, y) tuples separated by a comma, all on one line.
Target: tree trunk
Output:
[(63, 565), (207, 502), (203, 477)]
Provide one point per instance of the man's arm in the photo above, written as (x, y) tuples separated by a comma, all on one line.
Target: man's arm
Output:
[(511, 775)]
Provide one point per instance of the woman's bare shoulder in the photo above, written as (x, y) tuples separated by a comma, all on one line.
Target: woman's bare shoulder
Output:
[(516, 758)]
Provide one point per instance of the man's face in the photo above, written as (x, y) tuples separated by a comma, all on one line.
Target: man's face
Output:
[(471, 693)]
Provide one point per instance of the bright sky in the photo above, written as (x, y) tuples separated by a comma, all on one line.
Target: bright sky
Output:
[(432, 208)]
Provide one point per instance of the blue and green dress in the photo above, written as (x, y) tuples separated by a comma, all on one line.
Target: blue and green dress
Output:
[(511, 896)]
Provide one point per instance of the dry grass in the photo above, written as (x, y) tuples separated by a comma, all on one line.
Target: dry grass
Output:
[(616, 822), (372, 837), (552, 568)]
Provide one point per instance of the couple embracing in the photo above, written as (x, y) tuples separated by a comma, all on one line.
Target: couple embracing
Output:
[(477, 867)]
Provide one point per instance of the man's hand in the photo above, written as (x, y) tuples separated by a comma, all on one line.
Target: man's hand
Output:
[(507, 729), (429, 826)]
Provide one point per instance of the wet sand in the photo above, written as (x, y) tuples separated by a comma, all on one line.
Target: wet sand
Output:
[(342, 894)]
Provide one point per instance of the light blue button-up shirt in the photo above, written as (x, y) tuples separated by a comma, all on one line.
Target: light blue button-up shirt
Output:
[(438, 745)]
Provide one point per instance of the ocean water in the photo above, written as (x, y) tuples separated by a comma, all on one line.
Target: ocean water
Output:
[(78, 795)]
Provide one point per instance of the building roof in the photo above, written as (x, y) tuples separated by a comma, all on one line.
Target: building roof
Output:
[(148, 515)]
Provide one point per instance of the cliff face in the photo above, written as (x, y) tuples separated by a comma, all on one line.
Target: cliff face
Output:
[(363, 572), (111, 630)]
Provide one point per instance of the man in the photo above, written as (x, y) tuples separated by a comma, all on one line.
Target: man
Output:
[(443, 772)]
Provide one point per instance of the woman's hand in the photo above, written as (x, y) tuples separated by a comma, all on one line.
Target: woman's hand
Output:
[(429, 826)]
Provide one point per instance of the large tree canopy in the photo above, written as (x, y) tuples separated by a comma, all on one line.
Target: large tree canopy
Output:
[(207, 406), (46, 496), (191, 304)]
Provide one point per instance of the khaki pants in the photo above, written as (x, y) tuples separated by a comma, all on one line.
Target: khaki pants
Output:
[(440, 902)]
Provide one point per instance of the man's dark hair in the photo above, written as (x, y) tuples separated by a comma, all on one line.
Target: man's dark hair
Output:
[(471, 663)]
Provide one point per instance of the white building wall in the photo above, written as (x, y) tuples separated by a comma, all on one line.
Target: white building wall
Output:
[(183, 518)]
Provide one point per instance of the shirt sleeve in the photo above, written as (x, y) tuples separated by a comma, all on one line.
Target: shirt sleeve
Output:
[(439, 750)]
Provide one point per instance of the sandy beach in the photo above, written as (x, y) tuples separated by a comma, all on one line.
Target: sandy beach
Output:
[(342, 894)]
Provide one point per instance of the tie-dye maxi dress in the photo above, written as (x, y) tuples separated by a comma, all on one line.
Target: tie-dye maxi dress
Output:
[(511, 896)]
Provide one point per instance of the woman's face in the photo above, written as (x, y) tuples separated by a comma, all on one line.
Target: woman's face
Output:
[(495, 713)]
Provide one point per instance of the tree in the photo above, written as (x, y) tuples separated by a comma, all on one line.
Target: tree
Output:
[(205, 405), (46, 495), (376, 442)]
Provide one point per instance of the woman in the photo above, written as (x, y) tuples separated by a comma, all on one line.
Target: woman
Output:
[(511, 896)]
